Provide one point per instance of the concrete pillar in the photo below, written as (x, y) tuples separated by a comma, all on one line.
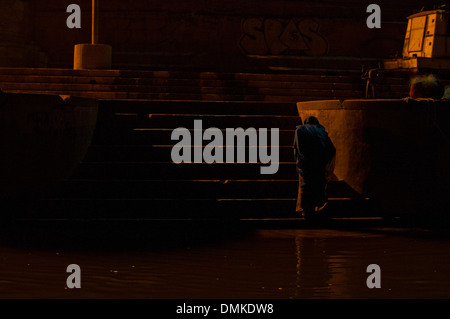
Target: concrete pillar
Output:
[(93, 55)]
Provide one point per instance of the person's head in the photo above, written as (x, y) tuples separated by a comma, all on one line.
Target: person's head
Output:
[(311, 120), (426, 87)]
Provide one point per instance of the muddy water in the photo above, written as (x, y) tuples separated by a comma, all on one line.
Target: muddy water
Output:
[(220, 262)]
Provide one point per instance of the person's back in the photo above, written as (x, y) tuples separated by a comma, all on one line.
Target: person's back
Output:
[(314, 148), (314, 154)]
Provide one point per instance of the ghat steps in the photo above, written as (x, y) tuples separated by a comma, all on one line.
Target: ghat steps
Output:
[(195, 86), (128, 172)]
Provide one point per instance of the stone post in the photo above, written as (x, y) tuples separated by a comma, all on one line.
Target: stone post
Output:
[(93, 55)]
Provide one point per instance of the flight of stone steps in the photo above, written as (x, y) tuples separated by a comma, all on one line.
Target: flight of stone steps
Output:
[(128, 172), (172, 85), (206, 86)]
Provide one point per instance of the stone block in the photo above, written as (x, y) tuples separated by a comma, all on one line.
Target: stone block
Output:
[(92, 56)]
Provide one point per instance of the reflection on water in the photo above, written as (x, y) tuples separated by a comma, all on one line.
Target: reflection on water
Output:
[(219, 261)]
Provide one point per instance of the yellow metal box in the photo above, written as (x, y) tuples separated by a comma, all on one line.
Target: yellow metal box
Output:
[(427, 35)]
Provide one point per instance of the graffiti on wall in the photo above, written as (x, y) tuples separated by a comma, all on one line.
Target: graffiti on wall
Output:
[(282, 37)]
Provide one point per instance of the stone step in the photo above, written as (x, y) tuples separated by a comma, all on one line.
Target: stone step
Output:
[(382, 91), (162, 153), (185, 189), (107, 135), (182, 189), (304, 80), (142, 84), (136, 120), (161, 208), (198, 107), (147, 90), (166, 170), (175, 208), (136, 74), (177, 96), (252, 63)]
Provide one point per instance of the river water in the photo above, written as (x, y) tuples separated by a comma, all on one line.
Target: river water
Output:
[(186, 261)]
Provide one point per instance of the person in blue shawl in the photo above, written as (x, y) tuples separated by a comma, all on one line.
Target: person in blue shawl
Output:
[(315, 156)]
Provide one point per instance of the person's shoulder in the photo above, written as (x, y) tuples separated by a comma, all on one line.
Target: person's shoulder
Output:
[(300, 128), (315, 128)]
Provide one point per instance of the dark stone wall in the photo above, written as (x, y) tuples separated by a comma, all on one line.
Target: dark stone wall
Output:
[(224, 35)]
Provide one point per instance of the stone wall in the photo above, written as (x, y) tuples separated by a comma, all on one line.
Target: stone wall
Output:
[(221, 35), (17, 47)]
